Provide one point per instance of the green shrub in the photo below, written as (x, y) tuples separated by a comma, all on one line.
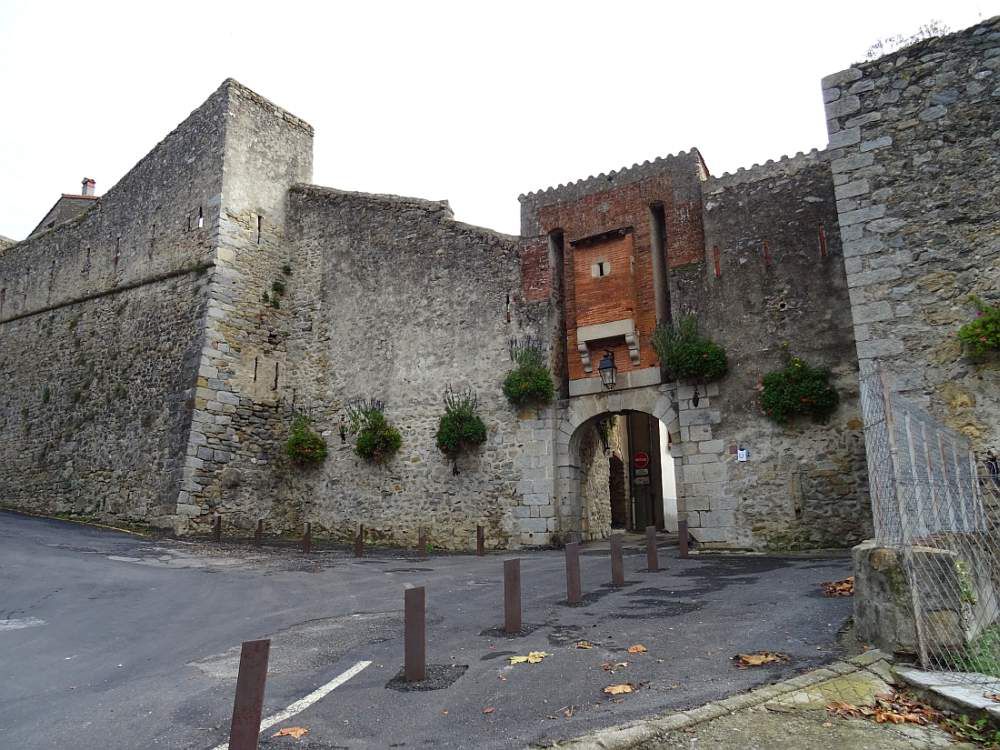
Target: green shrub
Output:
[(981, 336), (286, 269), (460, 428), (278, 287), (304, 447), (798, 389), (530, 382), (378, 441), (687, 355)]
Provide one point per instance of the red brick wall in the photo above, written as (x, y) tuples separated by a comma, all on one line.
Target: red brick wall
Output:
[(628, 291)]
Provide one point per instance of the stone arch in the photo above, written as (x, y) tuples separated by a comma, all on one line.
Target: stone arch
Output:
[(575, 417)]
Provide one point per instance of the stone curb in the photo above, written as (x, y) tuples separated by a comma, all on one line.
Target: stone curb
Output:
[(635, 734)]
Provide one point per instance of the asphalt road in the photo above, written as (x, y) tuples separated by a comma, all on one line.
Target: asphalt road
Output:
[(115, 642)]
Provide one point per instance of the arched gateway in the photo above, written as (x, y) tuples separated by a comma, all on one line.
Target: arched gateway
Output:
[(574, 453)]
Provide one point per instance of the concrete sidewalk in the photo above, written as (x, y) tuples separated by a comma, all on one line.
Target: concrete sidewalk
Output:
[(789, 715)]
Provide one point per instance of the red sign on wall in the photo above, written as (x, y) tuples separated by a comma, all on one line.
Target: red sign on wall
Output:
[(640, 459)]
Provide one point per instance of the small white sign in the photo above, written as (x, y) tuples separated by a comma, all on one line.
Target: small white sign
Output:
[(742, 454)]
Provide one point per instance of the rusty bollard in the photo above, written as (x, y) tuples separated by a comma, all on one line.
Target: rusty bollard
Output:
[(617, 563), (512, 596), (359, 542), (258, 534), (573, 593), (307, 538), (652, 558), (217, 528), (422, 541), (414, 635), (249, 702), (682, 539), (480, 541)]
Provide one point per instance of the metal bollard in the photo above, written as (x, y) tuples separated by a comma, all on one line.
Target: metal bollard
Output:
[(652, 559), (617, 563), (258, 534), (217, 528), (682, 539), (414, 635), (422, 541), (307, 538), (249, 702), (512, 596), (359, 542), (573, 594), (480, 541)]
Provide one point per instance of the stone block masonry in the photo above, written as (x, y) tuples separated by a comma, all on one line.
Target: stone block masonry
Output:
[(156, 348), (918, 185)]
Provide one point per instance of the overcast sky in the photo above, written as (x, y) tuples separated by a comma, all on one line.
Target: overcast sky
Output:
[(475, 102)]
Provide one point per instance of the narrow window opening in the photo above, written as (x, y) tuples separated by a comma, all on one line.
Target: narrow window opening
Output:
[(189, 223), (152, 241), (822, 242), (24, 289), (661, 268), (118, 247), (3, 299), (255, 369), (717, 261), (275, 386), (767, 253), (508, 307), (86, 262), (557, 259), (52, 274), (259, 226), (201, 218)]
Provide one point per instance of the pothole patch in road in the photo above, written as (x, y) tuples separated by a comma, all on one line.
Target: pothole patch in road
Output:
[(314, 644), (527, 628), (438, 677)]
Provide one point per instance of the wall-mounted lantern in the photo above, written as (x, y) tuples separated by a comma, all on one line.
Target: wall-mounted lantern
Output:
[(608, 370)]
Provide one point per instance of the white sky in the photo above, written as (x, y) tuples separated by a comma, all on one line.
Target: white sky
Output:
[(468, 101)]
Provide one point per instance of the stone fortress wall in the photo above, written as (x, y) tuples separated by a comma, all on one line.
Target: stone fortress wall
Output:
[(914, 140), (148, 378), (100, 327)]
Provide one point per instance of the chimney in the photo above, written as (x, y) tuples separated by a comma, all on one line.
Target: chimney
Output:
[(88, 186)]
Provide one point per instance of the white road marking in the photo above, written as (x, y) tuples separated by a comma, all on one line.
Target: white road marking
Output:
[(27, 622), (301, 705)]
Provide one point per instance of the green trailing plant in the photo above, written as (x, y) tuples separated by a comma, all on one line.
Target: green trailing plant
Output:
[(304, 446), (265, 298), (377, 440), (530, 382), (798, 389), (687, 355), (278, 287), (981, 337), (460, 427)]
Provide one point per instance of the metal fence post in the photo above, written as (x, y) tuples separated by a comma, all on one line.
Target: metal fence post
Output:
[(307, 538), (512, 596), (248, 705), (217, 528), (617, 562), (573, 593), (258, 534), (652, 559), (682, 539), (414, 635), (480, 541), (359, 542)]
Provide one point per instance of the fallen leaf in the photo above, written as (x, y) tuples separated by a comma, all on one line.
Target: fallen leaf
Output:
[(533, 657), (296, 732), (489, 710), (569, 711), (444, 711), (758, 658), (839, 588), (637, 649), (995, 697), (619, 689), (584, 644), (612, 666)]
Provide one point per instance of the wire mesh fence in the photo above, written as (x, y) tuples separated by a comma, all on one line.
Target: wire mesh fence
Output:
[(936, 503)]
